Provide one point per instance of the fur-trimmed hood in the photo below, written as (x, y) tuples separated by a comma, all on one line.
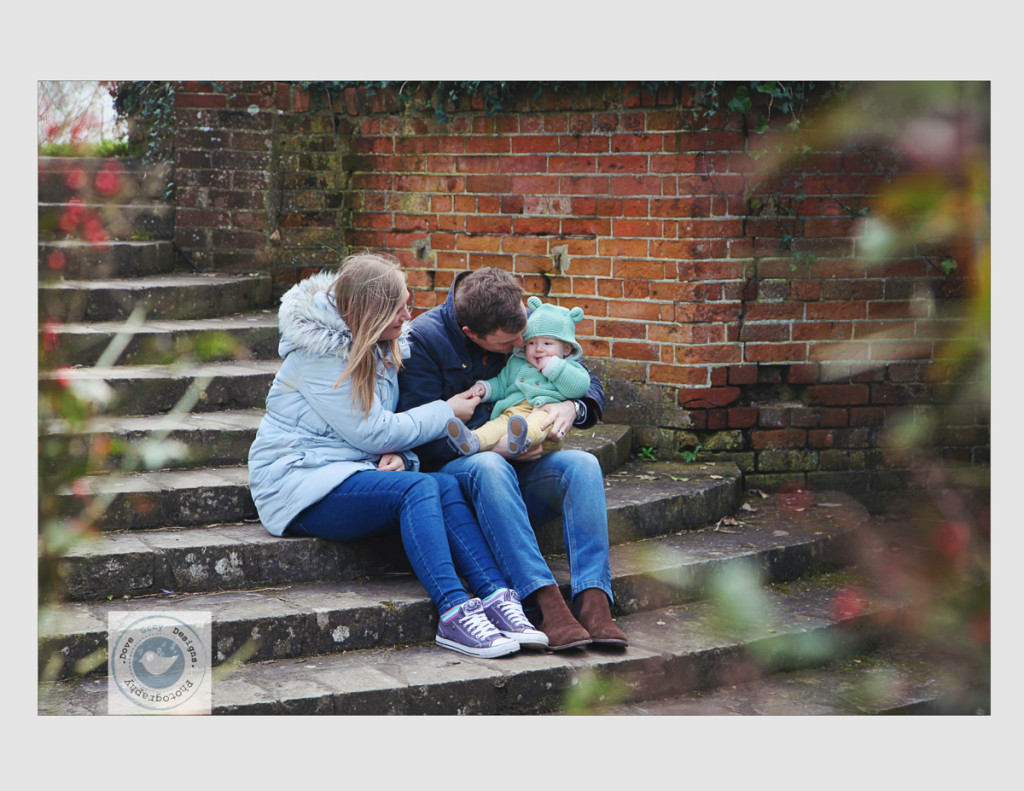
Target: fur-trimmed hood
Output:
[(309, 322)]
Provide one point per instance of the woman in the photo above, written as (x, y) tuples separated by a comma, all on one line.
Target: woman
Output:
[(330, 457)]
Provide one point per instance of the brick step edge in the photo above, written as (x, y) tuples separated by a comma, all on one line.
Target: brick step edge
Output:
[(672, 650), (293, 620)]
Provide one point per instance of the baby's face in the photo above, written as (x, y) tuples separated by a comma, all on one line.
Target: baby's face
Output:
[(539, 349)]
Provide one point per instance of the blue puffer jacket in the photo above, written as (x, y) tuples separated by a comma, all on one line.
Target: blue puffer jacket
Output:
[(314, 435), (444, 362)]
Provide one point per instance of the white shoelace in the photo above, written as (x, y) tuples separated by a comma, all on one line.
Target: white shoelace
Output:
[(477, 625), (514, 615)]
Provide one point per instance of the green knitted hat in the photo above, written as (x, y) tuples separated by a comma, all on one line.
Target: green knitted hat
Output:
[(553, 321)]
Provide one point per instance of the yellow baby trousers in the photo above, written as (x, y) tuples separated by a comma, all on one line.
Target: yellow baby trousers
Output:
[(491, 432)]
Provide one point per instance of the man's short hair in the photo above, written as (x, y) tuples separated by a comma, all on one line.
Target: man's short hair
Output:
[(489, 299)]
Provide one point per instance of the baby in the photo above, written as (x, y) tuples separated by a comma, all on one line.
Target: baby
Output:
[(542, 371)]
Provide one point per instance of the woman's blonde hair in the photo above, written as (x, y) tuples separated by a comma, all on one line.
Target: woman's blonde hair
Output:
[(368, 293)]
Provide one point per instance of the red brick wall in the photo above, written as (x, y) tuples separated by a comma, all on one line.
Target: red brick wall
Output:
[(724, 308)]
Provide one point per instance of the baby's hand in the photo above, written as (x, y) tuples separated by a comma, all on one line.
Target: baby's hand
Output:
[(478, 390)]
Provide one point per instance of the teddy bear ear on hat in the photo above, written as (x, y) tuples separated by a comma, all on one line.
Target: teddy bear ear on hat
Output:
[(534, 302), (576, 314)]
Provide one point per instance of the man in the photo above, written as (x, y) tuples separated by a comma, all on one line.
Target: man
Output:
[(468, 338)]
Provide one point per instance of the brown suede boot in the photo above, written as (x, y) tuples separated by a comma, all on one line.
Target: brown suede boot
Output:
[(590, 607), (557, 623)]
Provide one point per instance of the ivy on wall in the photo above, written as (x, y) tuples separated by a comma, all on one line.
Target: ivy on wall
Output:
[(148, 105)]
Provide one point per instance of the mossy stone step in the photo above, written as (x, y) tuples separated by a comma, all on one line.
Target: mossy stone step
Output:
[(304, 619), (169, 441), (672, 650), (238, 555), (111, 221), (242, 336), (173, 296), (120, 179), (79, 260), (156, 389)]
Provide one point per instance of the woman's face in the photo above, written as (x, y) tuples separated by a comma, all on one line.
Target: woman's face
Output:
[(394, 329)]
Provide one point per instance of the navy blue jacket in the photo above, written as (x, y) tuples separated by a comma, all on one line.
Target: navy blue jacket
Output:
[(443, 362)]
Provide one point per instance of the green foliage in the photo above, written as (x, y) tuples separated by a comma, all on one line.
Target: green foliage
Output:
[(105, 148), (646, 453), (691, 455), (768, 100), (148, 108)]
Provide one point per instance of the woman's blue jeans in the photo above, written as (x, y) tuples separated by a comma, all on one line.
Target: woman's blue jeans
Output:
[(508, 497), (439, 531)]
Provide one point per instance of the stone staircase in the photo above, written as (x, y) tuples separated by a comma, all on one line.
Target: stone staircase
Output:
[(713, 586)]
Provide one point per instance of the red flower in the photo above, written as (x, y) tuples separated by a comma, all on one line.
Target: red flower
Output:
[(94, 232), (51, 336), (56, 261), (108, 180), (76, 179), (73, 215)]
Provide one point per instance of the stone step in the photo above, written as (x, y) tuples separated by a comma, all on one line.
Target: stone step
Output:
[(295, 619), (239, 337), (166, 441), (81, 220), (154, 389), (180, 296), (236, 555), (77, 260), (123, 180), (893, 679), (222, 438), (673, 650), (639, 505)]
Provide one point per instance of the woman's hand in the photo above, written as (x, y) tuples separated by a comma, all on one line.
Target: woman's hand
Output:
[(391, 462), (463, 404)]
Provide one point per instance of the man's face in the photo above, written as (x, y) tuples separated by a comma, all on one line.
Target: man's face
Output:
[(499, 341)]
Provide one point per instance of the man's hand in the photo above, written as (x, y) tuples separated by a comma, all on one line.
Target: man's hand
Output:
[(532, 453), (391, 462), (464, 404), (561, 417)]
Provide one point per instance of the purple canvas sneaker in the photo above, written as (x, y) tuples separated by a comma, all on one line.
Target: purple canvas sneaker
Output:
[(466, 629), (505, 611)]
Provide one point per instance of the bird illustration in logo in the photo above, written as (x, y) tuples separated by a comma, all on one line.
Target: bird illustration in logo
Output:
[(155, 664)]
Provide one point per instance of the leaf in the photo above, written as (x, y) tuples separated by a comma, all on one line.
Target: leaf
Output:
[(740, 103), (748, 507)]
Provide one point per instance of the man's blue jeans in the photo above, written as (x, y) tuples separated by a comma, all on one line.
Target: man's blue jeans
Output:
[(439, 531), (508, 497)]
